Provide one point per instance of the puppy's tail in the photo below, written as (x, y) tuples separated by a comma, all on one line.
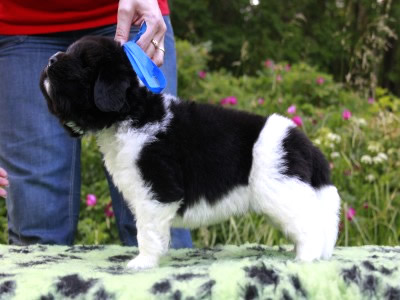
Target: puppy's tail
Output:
[(330, 203)]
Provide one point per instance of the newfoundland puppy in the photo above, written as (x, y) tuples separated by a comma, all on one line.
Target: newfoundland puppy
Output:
[(180, 163)]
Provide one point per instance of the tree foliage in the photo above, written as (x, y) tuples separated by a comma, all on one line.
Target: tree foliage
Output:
[(354, 40)]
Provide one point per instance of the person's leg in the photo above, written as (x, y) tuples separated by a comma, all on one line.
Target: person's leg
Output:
[(169, 68), (42, 162), (180, 238)]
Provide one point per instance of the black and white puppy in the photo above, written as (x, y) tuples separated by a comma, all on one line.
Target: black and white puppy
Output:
[(188, 164)]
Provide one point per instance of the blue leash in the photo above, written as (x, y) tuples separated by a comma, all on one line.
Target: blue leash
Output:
[(145, 68)]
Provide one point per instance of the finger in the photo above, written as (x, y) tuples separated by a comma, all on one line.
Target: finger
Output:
[(158, 57), (138, 21), (3, 173), (4, 182), (152, 50), (3, 193), (124, 22), (155, 30)]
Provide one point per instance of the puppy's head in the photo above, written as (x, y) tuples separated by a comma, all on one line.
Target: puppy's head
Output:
[(86, 86)]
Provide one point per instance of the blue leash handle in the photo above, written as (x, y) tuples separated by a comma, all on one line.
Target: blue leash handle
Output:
[(145, 68)]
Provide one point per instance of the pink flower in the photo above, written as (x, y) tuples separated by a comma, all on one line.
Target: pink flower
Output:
[(279, 78), (229, 100), (202, 74), (291, 109), (91, 200), (346, 114), (320, 80), (298, 121), (260, 101), (269, 63), (108, 211), (351, 212), (331, 165), (371, 100), (287, 68)]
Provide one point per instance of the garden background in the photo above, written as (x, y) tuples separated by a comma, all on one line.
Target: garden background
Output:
[(332, 66)]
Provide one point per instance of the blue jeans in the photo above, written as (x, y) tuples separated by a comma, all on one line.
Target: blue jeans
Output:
[(42, 161)]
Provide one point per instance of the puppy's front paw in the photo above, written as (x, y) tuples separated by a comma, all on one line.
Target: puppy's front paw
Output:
[(142, 262)]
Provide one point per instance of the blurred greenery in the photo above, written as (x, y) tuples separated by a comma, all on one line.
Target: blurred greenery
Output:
[(350, 39)]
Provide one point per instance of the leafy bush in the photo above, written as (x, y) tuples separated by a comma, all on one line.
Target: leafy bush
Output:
[(96, 222), (355, 41), (3, 222)]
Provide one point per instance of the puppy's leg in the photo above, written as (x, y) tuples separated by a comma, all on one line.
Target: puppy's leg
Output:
[(294, 207), (307, 228), (330, 200), (153, 221)]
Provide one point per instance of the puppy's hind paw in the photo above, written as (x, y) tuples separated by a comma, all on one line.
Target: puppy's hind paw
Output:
[(308, 252), (142, 262)]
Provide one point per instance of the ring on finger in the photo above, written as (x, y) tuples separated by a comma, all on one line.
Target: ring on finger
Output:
[(155, 43)]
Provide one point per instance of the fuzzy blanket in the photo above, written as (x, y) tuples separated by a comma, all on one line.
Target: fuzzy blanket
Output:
[(226, 272)]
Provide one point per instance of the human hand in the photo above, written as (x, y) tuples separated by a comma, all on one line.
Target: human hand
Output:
[(3, 182), (135, 12)]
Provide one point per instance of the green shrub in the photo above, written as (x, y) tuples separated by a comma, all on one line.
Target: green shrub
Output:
[(3, 222), (355, 41), (95, 226)]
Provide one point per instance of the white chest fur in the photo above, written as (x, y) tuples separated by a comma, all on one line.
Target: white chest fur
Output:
[(121, 148)]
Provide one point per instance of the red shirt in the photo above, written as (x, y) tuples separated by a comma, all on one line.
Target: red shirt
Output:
[(38, 16)]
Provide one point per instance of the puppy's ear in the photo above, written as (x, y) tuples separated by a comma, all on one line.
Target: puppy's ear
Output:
[(110, 91)]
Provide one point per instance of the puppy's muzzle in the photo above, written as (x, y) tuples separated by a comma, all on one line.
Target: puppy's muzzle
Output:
[(54, 58)]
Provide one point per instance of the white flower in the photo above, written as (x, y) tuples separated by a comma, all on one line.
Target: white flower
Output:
[(377, 160), (334, 137), (380, 158), (362, 122), (359, 121), (374, 147), (383, 156), (335, 155), (317, 142), (370, 178), (366, 159)]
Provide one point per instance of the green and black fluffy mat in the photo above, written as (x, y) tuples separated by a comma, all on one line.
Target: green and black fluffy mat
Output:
[(226, 272)]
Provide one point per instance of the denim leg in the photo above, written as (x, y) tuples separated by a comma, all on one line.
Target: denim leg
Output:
[(42, 161), (180, 238), (169, 66)]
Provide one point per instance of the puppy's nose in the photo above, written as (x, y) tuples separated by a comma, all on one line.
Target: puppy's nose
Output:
[(54, 58)]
